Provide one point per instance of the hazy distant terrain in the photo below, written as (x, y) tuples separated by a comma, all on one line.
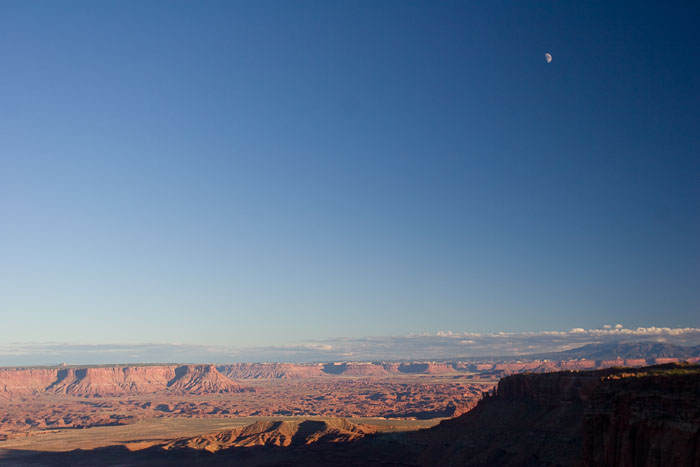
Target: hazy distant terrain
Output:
[(431, 346)]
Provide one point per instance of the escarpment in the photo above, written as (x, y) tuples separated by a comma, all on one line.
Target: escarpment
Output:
[(644, 420), (271, 370), (116, 380), (26, 381), (202, 379), (620, 416), (275, 433)]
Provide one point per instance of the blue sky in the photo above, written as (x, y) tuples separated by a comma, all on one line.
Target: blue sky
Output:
[(259, 173)]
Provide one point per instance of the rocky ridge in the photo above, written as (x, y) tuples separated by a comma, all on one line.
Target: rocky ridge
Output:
[(619, 416), (136, 379), (275, 433), (116, 380), (271, 370)]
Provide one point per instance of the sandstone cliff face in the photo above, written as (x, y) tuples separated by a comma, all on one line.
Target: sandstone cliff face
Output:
[(623, 417), (276, 433), (202, 379), (355, 369), (270, 370), (582, 364), (296, 371), (644, 421), (391, 367), (549, 388), (25, 381), (530, 421), (111, 381), (115, 381), (430, 368)]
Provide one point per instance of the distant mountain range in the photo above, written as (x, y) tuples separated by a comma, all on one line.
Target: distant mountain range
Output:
[(646, 350), (604, 351)]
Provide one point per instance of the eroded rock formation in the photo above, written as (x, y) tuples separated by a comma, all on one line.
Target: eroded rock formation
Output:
[(620, 416), (116, 380), (276, 433)]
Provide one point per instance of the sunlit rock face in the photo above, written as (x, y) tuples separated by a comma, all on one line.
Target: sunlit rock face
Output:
[(116, 380)]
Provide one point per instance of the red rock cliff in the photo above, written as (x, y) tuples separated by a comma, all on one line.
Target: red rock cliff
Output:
[(271, 370), (115, 380), (25, 381), (644, 421), (628, 417)]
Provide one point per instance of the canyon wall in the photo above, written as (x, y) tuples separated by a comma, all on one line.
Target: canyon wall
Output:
[(116, 380), (270, 370), (625, 417), (644, 420)]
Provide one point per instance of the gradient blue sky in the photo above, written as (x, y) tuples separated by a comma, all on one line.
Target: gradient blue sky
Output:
[(256, 173)]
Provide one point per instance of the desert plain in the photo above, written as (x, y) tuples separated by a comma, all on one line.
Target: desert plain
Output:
[(65, 408)]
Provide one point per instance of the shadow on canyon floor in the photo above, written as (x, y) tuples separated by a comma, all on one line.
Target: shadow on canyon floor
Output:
[(386, 449)]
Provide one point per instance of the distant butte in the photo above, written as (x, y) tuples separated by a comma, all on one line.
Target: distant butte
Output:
[(208, 379), (117, 380)]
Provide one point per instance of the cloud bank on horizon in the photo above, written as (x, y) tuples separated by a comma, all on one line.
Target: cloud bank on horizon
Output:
[(426, 346)]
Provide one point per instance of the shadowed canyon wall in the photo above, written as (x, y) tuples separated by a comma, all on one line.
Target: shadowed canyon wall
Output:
[(624, 417)]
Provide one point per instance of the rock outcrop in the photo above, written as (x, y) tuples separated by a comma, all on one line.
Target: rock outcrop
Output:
[(276, 433), (111, 381), (427, 368), (355, 369), (621, 416), (644, 420), (201, 379), (116, 380), (271, 370), (25, 381)]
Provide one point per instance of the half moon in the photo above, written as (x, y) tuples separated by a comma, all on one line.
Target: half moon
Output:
[(548, 57)]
